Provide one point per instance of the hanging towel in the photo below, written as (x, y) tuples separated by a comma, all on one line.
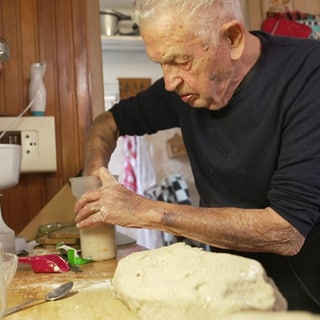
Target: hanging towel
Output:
[(130, 162), (139, 175), (144, 171)]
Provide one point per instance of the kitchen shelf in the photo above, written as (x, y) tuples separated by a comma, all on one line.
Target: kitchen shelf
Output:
[(122, 43)]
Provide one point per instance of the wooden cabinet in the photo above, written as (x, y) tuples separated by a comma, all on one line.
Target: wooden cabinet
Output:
[(66, 35)]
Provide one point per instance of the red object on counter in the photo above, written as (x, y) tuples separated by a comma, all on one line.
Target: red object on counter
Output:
[(49, 263)]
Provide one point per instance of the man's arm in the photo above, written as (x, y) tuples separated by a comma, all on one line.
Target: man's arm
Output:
[(255, 230), (248, 230), (100, 143)]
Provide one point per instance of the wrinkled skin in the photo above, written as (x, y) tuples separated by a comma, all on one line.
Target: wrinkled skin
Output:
[(111, 203), (239, 229)]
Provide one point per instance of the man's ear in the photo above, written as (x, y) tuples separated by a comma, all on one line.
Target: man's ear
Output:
[(233, 33)]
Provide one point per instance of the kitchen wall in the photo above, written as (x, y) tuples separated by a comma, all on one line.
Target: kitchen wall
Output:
[(66, 35)]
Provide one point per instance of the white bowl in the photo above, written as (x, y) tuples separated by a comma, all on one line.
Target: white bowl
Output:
[(10, 264)]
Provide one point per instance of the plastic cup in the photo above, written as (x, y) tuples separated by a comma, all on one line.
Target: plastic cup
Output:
[(80, 185)]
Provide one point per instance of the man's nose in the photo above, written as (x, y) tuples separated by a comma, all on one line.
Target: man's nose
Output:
[(172, 79)]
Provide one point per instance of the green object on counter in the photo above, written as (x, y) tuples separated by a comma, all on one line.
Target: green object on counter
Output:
[(72, 255)]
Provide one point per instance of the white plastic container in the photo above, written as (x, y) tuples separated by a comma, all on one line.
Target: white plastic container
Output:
[(98, 241), (10, 163), (37, 90)]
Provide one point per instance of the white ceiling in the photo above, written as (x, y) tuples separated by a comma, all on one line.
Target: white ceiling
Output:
[(116, 4)]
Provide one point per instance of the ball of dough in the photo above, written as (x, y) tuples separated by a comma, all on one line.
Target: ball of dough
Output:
[(180, 282)]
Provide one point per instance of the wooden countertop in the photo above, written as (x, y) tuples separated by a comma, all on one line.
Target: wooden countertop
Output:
[(90, 298)]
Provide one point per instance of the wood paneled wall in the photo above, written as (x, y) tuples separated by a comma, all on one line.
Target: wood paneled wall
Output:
[(66, 35)]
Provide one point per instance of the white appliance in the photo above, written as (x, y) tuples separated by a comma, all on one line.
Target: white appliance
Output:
[(10, 162)]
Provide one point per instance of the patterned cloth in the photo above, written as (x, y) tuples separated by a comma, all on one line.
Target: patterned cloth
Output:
[(130, 162), (314, 25), (172, 188)]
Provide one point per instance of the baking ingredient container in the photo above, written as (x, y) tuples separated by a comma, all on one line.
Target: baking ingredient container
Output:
[(98, 241)]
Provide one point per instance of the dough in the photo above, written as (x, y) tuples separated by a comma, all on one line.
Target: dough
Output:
[(179, 282), (290, 315)]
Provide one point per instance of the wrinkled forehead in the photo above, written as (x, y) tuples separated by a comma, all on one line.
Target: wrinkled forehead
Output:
[(169, 25), (4, 50), (165, 33)]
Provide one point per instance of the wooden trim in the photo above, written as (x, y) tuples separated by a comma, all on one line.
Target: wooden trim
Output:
[(255, 14), (95, 58)]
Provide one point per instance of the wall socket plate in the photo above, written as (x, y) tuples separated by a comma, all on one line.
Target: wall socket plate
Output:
[(38, 141)]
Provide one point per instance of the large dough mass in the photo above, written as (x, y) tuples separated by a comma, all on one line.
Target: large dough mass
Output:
[(180, 282)]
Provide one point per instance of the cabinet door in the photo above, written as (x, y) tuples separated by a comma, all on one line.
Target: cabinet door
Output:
[(307, 6)]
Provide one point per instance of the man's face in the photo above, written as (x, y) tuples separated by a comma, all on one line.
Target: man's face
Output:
[(199, 73)]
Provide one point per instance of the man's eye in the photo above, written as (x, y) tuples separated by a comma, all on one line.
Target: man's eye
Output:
[(186, 64)]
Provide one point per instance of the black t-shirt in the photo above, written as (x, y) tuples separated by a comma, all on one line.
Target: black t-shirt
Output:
[(263, 149)]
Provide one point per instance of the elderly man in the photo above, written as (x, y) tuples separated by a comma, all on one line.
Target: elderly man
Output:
[(247, 104)]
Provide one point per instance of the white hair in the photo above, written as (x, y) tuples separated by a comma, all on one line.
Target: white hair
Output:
[(205, 16)]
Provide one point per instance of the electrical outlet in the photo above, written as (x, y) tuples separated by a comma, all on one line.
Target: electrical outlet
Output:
[(37, 138), (30, 144)]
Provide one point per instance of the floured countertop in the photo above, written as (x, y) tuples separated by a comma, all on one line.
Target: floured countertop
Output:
[(90, 298)]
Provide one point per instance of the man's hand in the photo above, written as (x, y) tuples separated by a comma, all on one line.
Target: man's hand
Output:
[(111, 203)]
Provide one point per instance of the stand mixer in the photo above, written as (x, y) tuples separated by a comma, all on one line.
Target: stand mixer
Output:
[(10, 154), (10, 160)]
